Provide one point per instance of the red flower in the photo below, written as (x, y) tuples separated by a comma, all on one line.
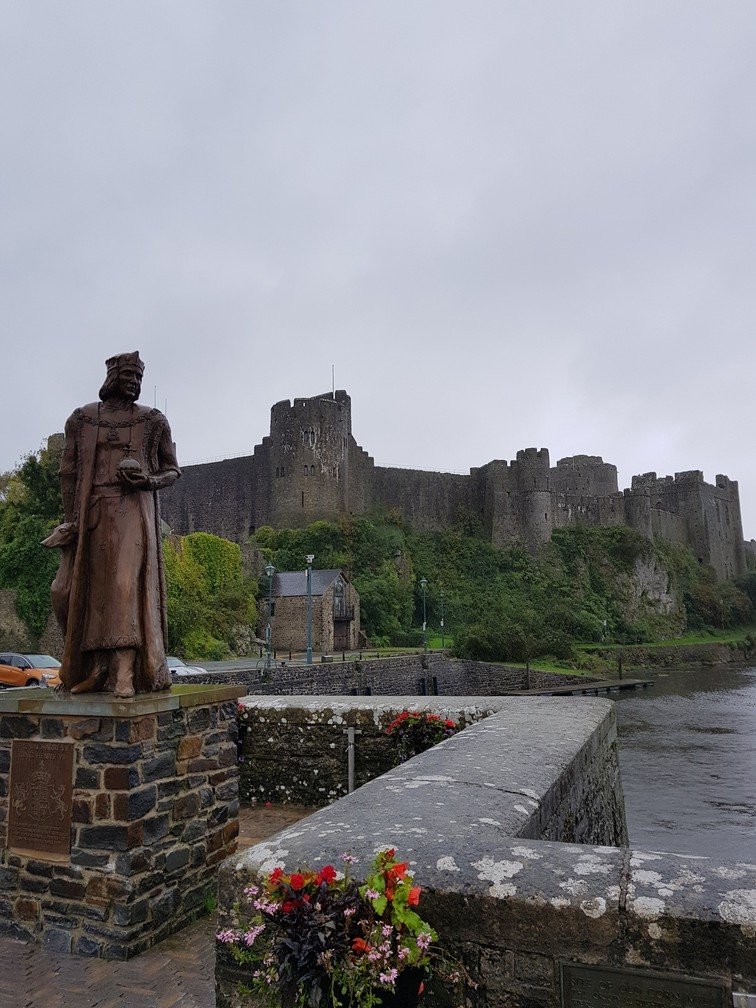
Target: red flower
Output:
[(389, 854), (296, 881), (398, 871), (288, 905), (326, 874), (275, 875), (413, 897), (360, 945), (449, 724)]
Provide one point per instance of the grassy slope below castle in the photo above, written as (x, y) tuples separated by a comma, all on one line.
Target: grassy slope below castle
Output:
[(588, 586)]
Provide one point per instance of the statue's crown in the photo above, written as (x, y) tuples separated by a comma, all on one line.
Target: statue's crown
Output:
[(121, 360)]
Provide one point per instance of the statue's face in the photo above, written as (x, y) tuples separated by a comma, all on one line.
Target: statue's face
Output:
[(129, 382)]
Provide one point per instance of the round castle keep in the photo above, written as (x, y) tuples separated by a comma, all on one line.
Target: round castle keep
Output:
[(308, 458)]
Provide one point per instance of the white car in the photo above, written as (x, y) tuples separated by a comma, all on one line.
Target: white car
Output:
[(177, 666)]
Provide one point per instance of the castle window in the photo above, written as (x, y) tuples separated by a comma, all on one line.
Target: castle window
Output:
[(308, 437), (312, 470), (303, 498), (306, 470)]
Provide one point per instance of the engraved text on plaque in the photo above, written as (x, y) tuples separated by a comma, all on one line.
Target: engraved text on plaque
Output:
[(41, 789), (599, 987)]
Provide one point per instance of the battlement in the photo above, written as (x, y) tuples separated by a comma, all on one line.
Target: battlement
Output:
[(725, 483), (580, 461), (534, 455), (692, 476), (649, 481)]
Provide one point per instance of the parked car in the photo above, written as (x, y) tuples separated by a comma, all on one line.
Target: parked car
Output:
[(176, 665), (28, 669)]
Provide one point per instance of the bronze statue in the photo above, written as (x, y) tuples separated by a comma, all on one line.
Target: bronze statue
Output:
[(109, 592)]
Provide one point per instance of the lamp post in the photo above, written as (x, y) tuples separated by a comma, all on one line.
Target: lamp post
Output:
[(424, 585), (269, 569), (442, 620), (310, 558)]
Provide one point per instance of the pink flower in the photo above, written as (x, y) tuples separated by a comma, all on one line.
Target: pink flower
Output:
[(227, 936), (349, 859), (253, 934), (389, 977), (371, 894), (424, 941)]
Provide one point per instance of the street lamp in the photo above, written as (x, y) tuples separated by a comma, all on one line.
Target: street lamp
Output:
[(310, 558), (424, 585), (269, 569), (442, 620)]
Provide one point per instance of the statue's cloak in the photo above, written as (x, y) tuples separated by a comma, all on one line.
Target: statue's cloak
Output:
[(124, 527)]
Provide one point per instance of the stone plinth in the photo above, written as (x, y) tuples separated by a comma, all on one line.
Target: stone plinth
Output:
[(153, 799)]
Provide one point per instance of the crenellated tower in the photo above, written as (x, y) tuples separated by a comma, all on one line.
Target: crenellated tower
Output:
[(308, 459)]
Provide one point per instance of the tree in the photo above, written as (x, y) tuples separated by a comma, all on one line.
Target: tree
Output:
[(30, 508)]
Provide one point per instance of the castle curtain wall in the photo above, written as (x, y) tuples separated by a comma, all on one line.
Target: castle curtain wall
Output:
[(310, 467)]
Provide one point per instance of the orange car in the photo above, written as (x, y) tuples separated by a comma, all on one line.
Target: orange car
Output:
[(28, 670)]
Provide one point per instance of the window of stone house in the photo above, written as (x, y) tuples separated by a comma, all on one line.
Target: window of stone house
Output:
[(312, 470), (308, 437), (306, 470)]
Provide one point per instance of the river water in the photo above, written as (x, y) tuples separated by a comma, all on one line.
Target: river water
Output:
[(687, 749)]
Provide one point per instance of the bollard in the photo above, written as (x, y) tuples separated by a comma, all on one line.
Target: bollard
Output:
[(350, 734)]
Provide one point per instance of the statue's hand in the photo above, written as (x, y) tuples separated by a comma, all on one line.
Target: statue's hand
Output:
[(135, 478)]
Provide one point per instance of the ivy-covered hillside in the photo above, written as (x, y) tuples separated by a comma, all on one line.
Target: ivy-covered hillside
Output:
[(588, 585)]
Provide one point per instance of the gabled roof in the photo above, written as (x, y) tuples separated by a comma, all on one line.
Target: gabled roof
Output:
[(291, 583)]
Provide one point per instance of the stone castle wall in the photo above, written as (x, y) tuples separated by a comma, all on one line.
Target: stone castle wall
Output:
[(310, 467)]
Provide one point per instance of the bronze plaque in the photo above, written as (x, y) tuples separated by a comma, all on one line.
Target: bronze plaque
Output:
[(41, 789), (599, 987)]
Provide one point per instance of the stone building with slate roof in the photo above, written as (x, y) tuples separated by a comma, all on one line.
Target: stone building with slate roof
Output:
[(335, 611)]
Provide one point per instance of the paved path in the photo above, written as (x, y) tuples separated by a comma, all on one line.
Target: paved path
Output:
[(178, 973)]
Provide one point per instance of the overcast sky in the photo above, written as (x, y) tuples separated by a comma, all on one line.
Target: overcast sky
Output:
[(507, 224)]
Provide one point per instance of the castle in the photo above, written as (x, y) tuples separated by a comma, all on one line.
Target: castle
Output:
[(310, 467)]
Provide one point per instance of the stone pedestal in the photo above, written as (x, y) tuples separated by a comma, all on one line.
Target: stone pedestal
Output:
[(114, 814)]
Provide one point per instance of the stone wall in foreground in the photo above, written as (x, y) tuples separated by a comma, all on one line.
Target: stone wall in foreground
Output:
[(294, 748), (522, 911)]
